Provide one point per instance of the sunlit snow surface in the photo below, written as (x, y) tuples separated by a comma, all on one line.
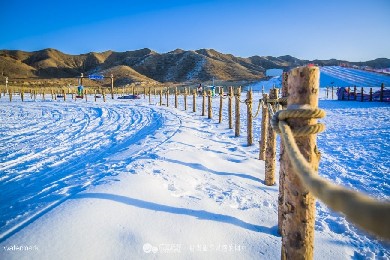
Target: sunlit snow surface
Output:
[(53, 151)]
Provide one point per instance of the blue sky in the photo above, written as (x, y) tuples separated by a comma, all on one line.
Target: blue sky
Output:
[(353, 30)]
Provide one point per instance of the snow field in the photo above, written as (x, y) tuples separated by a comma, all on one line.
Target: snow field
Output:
[(171, 184)]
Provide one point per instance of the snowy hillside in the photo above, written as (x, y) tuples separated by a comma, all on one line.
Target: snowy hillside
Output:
[(130, 180)]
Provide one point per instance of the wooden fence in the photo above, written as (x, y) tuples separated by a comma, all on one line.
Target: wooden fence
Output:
[(293, 116)]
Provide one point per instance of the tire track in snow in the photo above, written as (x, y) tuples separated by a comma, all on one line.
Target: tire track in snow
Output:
[(25, 197)]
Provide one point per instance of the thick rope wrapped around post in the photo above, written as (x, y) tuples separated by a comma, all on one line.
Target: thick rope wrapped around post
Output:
[(366, 212), (299, 113)]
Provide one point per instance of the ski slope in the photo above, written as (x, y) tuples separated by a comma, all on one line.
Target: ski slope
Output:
[(130, 180), (335, 76), (344, 77)]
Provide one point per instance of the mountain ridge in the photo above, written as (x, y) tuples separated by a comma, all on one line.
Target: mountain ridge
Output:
[(146, 65)]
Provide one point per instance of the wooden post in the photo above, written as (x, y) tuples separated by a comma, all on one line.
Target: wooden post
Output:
[(230, 108), (249, 117), (144, 93), (370, 94), (220, 105), (299, 204), (381, 94), (237, 114), (161, 97), (176, 97), (332, 92), (95, 95), (185, 99), (194, 100), (354, 92), (264, 128), (22, 94), (43, 94), (270, 156), (86, 95), (349, 91), (281, 168), (149, 96), (112, 86), (167, 97), (361, 94), (209, 103), (203, 102), (10, 94)]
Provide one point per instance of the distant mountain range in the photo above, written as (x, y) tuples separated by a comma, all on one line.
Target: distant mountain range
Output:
[(145, 65)]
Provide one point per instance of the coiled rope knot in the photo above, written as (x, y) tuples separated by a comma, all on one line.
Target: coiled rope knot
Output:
[(312, 113)]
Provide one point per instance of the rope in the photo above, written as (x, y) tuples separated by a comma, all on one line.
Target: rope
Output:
[(366, 212), (246, 101), (271, 111), (258, 109), (282, 115)]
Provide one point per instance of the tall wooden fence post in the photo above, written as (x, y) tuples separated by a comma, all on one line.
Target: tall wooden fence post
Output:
[(194, 101), (282, 169), (237, 113), (220, 105), (270, 156), (354, 93), (332, 92), (230, 108), (299, 204), (203, 102), (209, 105), (112, 86), (161, 96), (176, 97), (149, 96), (361, 94), (185, 99), (167, 97), (264, 128), (249, 117)]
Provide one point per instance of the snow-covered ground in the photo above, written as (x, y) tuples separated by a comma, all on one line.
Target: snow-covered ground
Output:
[(129, 180)]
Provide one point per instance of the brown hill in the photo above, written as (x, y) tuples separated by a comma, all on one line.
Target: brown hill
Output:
[(145, 65)]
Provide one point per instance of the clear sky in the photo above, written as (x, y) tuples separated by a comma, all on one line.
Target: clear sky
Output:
[(354, 30)]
